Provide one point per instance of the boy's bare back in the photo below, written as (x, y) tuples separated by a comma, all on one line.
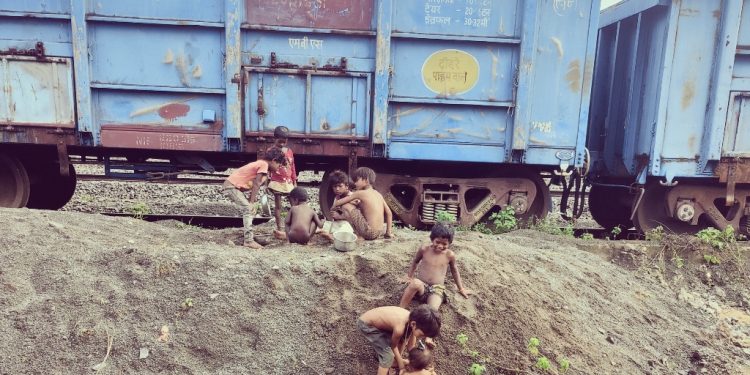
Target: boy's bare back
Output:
[(387, 318), (433, 266), (301, 218), (373, 207)]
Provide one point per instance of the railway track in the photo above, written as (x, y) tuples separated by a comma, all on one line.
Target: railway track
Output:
[(222, 222)]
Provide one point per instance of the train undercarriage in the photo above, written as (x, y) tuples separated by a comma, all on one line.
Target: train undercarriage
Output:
[(687, 207), (41, 179)]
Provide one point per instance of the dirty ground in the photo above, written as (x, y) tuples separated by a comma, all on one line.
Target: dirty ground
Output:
[(82, 291)]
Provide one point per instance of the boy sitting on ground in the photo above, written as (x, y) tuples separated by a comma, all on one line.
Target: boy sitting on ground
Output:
[(341, 185), (301, 221), (392, 330), (368, 219), (433, 261)]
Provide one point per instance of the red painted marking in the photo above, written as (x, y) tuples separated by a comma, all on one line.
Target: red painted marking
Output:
[(173, 111)]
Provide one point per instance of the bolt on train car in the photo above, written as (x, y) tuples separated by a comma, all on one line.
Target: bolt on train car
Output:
[(458, 105)]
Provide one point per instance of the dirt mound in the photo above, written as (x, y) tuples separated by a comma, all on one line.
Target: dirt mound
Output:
[(71, 282)]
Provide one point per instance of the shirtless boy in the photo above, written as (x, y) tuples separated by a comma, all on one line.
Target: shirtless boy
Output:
[(433, 260), (301, 221), (368, 219), (392, 330)]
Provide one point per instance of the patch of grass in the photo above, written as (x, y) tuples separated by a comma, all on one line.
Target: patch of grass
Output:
[(711, 259), (718, 239), (187, 304), (481, 228), (551, 226), (543, 363), (139, 210), (442, 216), (477, 369), (504, 220), (564, 365), (587, 236), (656, 234)]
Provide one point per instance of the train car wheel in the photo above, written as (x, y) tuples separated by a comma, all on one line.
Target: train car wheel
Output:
[(651, 212), (611, 207), (49, 189), (14, 183)]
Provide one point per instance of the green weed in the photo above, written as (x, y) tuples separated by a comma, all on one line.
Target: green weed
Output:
[(656, 234), (711, 259), (477, 369), (543, 363), (587, 236), (564, 365), (481, 228), (504, 220), (442, 216), (139, 210), (533, 346), (187, 304), (718, 239)]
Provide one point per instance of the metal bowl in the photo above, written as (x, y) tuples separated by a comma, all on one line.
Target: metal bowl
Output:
[(344, 241)]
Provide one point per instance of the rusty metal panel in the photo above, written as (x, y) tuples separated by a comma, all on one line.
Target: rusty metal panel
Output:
[(325, 14), (34, 92), (154, 139)]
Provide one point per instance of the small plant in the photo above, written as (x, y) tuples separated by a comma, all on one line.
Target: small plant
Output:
[(139, 210), (442, 216), (567, 231), (86, 198), (711, 259), (533, 346), (616, 231), (543, 363), (477, 369), (564, 365), (481, 228), (462, 340), (716, 238), (679, 262), (656, 234), (187, 304), (587, 236), (505, 219)]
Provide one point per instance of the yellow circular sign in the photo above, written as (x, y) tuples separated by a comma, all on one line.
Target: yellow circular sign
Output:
[(450, 72)]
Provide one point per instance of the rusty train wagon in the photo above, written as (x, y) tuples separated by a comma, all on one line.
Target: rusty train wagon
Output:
[(457, 104), (670, 128)]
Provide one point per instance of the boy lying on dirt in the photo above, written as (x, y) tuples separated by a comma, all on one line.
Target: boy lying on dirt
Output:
[(341, 185), (433, 261), (392, 330), (301, 221), (368, 219)]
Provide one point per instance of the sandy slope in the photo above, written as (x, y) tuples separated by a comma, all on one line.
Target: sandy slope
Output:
[(70, 280)]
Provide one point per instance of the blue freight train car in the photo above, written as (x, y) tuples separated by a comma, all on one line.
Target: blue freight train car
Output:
[(668, 116), (469, 98)]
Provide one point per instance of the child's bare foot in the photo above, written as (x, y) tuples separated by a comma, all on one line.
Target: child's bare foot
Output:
[(279, 235), (253, 245)]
